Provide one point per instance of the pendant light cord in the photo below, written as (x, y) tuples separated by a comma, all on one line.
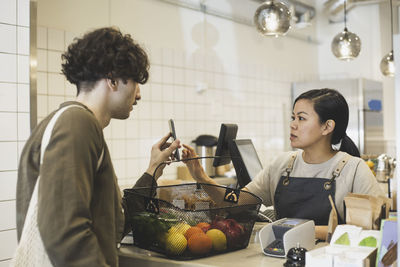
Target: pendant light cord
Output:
[(345, 20), (391, 22)]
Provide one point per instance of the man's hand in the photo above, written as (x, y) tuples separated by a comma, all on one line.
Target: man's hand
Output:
[(160, 152)]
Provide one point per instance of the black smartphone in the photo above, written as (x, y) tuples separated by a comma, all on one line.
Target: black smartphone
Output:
[(173, 134)]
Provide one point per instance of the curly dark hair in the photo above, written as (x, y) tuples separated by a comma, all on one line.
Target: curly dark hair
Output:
[(104, 53)]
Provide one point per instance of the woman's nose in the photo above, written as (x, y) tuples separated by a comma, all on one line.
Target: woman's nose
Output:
[(293, 124)]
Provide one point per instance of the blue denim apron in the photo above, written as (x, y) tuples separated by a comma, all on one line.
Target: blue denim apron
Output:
[(306, 198)]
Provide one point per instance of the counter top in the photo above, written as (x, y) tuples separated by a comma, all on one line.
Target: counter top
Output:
[(250, 256)]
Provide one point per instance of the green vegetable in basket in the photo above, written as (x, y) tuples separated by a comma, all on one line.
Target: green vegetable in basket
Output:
[(149, 228), (369, 241), (343, 239)]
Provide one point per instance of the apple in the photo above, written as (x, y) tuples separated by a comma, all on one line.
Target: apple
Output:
[(235, 233), (220, 224)]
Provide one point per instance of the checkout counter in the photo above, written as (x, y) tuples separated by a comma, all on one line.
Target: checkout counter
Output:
[(250, 256)]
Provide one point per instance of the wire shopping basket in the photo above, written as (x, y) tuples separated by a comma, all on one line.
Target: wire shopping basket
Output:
[(190, 221)]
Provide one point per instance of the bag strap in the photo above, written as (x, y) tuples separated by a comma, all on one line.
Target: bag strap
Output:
[(49, 129)]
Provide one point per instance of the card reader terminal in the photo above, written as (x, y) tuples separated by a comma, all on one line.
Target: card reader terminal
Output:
[(278, 237)]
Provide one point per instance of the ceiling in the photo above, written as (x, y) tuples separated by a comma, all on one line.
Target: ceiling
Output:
[(334, 8)]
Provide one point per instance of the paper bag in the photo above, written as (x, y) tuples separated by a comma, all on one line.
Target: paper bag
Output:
[(333, 220), (365, 210)]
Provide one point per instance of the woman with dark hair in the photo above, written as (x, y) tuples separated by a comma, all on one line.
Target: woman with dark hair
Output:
[(299, 183)]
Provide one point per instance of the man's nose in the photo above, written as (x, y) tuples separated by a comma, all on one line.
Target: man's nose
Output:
[(138, 95)]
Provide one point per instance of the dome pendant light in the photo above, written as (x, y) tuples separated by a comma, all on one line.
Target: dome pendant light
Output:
[(346, 45), (387, 62), (272, 18)]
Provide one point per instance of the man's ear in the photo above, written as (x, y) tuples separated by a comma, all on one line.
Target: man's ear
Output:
[(112, 84), (328, 127)]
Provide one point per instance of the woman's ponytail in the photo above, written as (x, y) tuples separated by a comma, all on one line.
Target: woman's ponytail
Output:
[(349, 147)]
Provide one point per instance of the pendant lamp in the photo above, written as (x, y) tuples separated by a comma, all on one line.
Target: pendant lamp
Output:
[(387, 62), (346, 45), (272, 18)]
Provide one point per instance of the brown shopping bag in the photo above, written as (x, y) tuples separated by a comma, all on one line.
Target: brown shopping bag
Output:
[(366, 211), (333, 221)]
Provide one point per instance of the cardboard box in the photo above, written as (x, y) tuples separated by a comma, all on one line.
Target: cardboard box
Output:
[(350, 246), (338, 255)]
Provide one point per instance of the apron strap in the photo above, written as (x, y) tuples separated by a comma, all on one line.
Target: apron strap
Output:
[(289, 168), (336, 172), (340, 166)]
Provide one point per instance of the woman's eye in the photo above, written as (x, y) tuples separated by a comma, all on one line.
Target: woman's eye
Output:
[(301, 118), (292, 117)]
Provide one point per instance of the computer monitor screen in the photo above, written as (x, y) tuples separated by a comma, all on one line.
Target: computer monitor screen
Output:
[(226, 134), (245, 160)]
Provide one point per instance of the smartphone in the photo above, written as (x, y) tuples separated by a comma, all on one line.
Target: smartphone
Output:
[(173, 134)]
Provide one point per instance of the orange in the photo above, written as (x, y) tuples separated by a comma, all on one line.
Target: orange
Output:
[(191, 231), (204, 226), (199, 243)]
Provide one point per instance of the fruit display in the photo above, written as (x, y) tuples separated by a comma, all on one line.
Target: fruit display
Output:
[(221, 235), (168, 234), (371, 166)]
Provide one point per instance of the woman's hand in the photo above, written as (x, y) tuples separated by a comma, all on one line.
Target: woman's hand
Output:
[(195, 169), (160, 152)]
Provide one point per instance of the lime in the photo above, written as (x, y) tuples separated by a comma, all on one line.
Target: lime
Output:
[(175, 244), (218, 239)]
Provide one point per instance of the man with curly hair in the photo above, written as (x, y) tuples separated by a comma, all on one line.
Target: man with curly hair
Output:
[(79, 208)]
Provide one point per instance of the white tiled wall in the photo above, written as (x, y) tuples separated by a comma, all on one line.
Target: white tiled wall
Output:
[(14, 112), (253, 96)]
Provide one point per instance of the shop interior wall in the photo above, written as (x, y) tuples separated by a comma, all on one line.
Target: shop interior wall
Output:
[(14, 112), (246, 76)]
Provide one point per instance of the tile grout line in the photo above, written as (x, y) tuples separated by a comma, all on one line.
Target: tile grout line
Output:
[(16, 42)]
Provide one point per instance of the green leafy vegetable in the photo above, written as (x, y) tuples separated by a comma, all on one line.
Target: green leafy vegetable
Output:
[(149, 228)]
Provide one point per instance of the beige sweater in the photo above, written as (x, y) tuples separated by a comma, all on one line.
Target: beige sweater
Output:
[(355, 177), (80, 216)]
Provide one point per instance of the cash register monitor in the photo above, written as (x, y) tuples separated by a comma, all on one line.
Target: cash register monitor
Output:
[(226, 134), (245, 160)]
